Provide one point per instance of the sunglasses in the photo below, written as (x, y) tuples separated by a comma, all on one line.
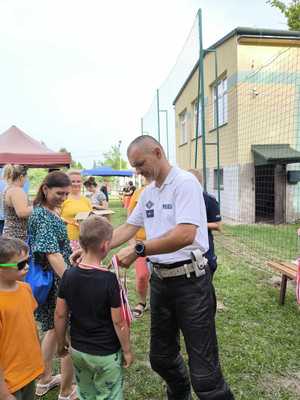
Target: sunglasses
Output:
[(20, 265)]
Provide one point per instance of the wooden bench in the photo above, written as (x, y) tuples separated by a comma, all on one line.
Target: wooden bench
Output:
[(288, 271)]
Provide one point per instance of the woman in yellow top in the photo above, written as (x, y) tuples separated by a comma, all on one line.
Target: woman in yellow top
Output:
[(141, 269), (74, 204)]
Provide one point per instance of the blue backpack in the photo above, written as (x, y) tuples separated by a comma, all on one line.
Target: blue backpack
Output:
[(39, 278)]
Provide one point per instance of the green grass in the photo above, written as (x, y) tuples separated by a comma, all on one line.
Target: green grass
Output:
[(259, 340), (271, 241)]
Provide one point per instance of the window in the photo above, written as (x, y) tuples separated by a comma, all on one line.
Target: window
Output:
[(216, 179), (222, 102), (183, 127), (195, 109)]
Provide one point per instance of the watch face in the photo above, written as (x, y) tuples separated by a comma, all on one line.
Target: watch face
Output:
[(139, 248)]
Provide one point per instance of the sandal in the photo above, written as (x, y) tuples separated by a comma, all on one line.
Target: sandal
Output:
[(72, 395), (139, 310), (43, 388)]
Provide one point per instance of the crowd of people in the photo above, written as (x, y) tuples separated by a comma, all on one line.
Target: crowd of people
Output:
[(169, 238)]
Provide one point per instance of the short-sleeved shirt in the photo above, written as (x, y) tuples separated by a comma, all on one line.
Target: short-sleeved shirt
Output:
[(90, 295), (20, 351), (141, 234), (96, 198), (69, 209), (48, 234), (213, 215), (178, 201)]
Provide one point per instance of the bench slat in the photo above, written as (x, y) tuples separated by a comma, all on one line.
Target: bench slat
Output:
[(287, 269)]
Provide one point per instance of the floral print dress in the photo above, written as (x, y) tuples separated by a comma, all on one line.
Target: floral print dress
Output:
[(48, 235)]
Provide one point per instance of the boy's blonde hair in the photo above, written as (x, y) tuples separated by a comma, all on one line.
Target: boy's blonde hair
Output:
[(10, 247), (93, 231)]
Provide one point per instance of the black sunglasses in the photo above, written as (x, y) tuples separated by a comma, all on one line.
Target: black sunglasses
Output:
[(20, 265)]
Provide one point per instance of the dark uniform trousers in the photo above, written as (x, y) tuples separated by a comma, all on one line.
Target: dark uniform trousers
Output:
[(186, 305)]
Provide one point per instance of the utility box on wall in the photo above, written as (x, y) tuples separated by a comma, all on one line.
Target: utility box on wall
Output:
[(293, 177)]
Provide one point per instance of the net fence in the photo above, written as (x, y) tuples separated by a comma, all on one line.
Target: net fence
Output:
[(251, 140)]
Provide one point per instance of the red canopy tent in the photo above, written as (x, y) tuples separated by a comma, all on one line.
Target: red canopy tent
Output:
[(16, 147)]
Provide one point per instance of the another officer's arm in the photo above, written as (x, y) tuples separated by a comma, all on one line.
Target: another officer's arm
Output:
[(214, 226)]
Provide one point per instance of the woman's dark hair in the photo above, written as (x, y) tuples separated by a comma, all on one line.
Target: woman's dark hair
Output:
[(53, 179), (90, 182)]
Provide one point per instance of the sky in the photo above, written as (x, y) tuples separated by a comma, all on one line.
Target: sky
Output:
[(82, 74)]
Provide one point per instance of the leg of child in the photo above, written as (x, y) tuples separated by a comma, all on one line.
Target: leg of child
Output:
[(142, 280), (84, 375), (109, 377), (26, 393)]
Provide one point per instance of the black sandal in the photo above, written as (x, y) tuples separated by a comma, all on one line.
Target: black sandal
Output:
[(138, 312)]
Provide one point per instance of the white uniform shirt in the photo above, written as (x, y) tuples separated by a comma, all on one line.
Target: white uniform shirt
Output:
[(178, 201)]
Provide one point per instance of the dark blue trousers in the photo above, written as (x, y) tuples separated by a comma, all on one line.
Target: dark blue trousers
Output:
[(186, 305)]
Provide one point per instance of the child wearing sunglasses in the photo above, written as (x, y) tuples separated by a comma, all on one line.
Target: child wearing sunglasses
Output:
[(20, 354)]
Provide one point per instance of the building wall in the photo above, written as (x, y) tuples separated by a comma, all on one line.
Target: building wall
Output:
[(266, 97), (227, 66), (263, 108)]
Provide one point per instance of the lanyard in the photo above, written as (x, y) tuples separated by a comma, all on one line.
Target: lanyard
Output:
[(125, 306), (91, 266)]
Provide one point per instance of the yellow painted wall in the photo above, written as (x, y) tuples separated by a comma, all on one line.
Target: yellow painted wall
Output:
[(227, 66), (266, 117), (266, 104)]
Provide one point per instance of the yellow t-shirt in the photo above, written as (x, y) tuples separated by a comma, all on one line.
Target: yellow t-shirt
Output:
[(20, 352), (69, 209), (141, 234)]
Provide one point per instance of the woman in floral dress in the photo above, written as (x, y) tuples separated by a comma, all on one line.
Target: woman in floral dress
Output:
[(50, 247)]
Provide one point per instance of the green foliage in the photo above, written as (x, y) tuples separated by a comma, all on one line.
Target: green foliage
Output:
[(36, 176), (291, 11), (113, 158), (74, 164)]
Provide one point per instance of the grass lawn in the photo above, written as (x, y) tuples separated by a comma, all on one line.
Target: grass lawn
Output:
[(259, 340), (271, 241)]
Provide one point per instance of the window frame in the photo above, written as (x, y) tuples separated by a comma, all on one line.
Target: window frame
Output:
[(183, 137), (221, 179), (222, 85)]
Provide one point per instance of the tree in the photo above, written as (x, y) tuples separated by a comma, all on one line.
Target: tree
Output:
[(291, 11), (113, 158), (74, 164)]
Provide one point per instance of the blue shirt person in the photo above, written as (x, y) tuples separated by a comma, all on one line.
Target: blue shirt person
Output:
[(213, 223)]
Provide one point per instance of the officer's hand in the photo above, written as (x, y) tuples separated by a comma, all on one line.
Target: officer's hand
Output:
[(126, 256)]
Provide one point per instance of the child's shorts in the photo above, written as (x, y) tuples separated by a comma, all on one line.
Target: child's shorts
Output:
[(26, 393), (98, 377)]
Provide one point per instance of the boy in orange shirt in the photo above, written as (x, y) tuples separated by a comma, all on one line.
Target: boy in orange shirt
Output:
[(20, 354)]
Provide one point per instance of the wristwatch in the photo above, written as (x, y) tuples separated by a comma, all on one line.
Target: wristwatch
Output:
[(140, 249)]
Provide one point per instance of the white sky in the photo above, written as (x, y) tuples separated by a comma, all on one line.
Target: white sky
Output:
[(81, 74)]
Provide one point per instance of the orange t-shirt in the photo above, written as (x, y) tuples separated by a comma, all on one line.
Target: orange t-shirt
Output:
[(141, 234), (20, 351)]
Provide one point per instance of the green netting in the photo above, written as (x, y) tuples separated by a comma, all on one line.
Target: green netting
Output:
[(257, 95)]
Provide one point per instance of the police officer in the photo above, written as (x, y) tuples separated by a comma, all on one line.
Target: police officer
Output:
[(172, 210), (213, 222)]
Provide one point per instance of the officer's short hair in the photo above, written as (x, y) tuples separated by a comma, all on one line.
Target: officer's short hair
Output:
[(143, 139)]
